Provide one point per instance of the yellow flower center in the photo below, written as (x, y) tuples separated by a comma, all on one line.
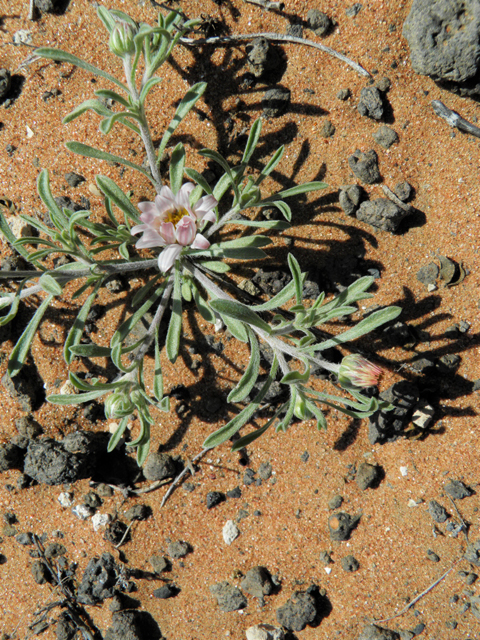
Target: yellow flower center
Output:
[(175, 215)]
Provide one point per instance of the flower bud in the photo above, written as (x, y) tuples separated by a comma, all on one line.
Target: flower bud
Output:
[(121, 40), (301, 410), (118, 405), (357, 371)]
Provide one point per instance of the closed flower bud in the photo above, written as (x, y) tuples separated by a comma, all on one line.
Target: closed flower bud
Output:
[(121, 40), (301, 410), (118, 405), (357, 371)]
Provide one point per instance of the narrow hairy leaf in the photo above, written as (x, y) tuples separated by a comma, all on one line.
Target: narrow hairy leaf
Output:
[(301, 188), (117, 435), (74, 398), (281, 298), (199, 179), (249, 378), (89, 351), (280, 225), (118, 197), (374, 320), (43, 187), (50, 285), (147, 87), (172, 342), (76, 332), (215, 265), (94, 105), (297, 277), (271, 164), (252, 141), (187, 102), (20, 351), (236, 328), (239, 311), (177, 167), (231, 428), (157, 376), (63, 56), (90, 152)]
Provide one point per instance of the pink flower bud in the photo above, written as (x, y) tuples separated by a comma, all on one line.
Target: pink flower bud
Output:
[(357, 371)]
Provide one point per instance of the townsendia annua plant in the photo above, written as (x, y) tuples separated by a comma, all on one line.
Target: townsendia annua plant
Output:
[(180, 226)]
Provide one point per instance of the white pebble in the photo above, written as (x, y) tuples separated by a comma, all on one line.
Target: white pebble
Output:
[(230, 532), (66, 499), (404, 471), (328, 570), (100, 520), (264, 632), (82, 511)]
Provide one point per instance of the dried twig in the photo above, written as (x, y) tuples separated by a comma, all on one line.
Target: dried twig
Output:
[(127, 531), (464, 524), (270, 5), (420, 596), (276, 37), (389, 193), (188, 469), (31, 10), (454, 119)]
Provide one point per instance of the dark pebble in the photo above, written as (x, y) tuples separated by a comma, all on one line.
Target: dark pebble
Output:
[(214, 498), (5, 83), (385, 137), (428, 274), (335, 502), (367, 475), (438, 513), (340, 526), (297, 612), (138, 512), (167, 591), (159, 466), (178, 549), (349, 563), (159, 564), (403, 191), (381, 213), (234, 493), (40, 572), (370, 103), (431, 555), (365, 166), (265, 470), (275, 102), (74, 179), (115, 531), (228, 598), (457, 490)]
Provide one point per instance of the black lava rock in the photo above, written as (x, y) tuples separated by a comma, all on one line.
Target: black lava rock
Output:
[(159, 466), (372, 632), (214, 498), (5, 83), (388, 426), (258, 582), (444, 40), (365, 166), (349, 198), (457, 490), (178, 549), (403, 191), (340, 526), (297, 612), (371, 103), (472, 553), (138, 512), (367, 475), (48, 462), (319, 22), (115, 532), (167, 591), (133, 625), (381, 213), (349, 563), (262, 57), (275, 102), (26, 388), (438, 513), (99, 580), (40, 572), (66, 629), (74, 179), (385, 136), (228, 598)]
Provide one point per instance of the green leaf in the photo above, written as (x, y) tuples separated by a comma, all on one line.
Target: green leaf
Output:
[(231, 428), (271, 164), (280, 225), (219, 159), (172, 342), (281, 298), (221, 187), (249, 378), (98, 154), (281, 206), (297, 277), (157, 376), (236, 328), (374, 320), (202, 306), (245, 241), (239, 311), (89, 351), (7, 232), (124, 118), (187, 102), (43, 187), (20, 351), (50, 285), (147, 87), (142, 452), (108, 94), (63, 56), (215, 265), (252, 141), (177, 167), (141, 293), (294, 377), (94, 105), (301, 188), (199, 179), (117, 435), (106, 18), (75, 334), (113, 192), (74, 398)]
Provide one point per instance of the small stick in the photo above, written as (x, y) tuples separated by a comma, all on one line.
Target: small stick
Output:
[(278, 37), (464, 524), (31, 10), (127, 531), (424, 593), (188, 469), (270, 5), (454, 119), (389, 193)]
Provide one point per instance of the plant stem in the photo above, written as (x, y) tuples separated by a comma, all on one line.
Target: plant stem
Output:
[(143, 125)]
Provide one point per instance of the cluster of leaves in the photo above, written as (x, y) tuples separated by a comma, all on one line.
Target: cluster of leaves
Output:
[(143, 49)]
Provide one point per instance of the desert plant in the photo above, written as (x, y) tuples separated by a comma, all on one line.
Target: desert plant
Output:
[(181, 225)]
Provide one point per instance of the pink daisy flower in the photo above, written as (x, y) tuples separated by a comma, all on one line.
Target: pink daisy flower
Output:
[(170, 222)]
